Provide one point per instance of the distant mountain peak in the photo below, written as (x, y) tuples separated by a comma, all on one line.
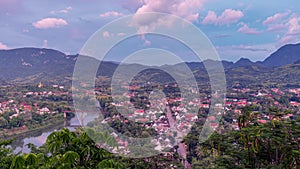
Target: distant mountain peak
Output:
[(243, 62), (286, 54)]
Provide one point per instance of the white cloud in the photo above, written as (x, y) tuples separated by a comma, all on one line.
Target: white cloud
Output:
[(3, 46), (247, 30), (227, 17), (111, 14), (50, 23)]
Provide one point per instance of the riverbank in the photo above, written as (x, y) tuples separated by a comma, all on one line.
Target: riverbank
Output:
[(23, 133)]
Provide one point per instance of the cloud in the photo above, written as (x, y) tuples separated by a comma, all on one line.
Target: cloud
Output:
[(247, 30), (111, 14), (276, 21), (292, 31), (121, 34), (3, 46), (254, 52), (147, 43), (276, 27), (293, 26), (286, 39), (275, 18), (66, 10), (131, 5), (45, 43), (288, 24), (106, 34), (187, 9), (227, 17), (50, 23), (222, 35), (250, 48)]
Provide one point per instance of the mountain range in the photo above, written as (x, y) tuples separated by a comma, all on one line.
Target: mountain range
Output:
[(32, 65)]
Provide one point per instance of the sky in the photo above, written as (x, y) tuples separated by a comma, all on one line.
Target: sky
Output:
[(249, 28)]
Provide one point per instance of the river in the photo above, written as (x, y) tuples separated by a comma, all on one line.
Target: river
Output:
[(39, 137)]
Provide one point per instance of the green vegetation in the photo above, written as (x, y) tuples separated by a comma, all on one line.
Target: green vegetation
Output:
[(273, 145), (65, 149)]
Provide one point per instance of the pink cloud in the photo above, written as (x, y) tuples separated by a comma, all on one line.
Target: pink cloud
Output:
[(227, 17), (276, 27), (211, 18), (50, 23), (147, 43), (286, 39), (293, 25), (292, 29), (187, 9), (275, 18), (111, 14), (106, 34), (3, 46), (247, 30), (66, 10), (276, 22)]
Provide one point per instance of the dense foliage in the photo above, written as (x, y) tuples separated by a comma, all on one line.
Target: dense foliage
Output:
[(65, 149), (275, 144)]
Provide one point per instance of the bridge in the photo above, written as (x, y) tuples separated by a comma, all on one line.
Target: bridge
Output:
[(75, 126)]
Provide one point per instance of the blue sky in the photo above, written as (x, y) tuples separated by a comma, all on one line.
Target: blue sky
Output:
[(248, 28)]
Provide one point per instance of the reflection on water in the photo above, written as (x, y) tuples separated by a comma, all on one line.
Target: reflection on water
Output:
[(38, 141), (38, 138)]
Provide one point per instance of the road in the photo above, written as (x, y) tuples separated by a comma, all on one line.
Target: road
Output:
[(181, 146)]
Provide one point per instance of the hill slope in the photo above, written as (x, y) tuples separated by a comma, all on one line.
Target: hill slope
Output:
[(287, 54)]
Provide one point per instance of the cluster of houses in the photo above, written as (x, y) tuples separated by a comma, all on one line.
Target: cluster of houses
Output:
[(25, 108), (183, 117), (173, 123)]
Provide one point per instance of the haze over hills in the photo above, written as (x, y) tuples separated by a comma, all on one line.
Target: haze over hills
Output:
[(28, 65)]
